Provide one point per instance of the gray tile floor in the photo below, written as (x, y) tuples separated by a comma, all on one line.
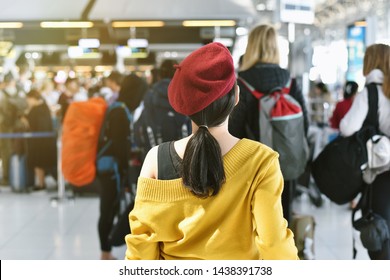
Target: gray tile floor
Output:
[(32, 227)]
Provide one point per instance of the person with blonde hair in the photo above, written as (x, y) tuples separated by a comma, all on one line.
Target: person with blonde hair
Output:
[(262, 47), (209, 195), (376, 69), (260, 68)]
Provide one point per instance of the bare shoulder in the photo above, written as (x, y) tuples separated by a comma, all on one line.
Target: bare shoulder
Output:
[(180, 146), (149, 167)]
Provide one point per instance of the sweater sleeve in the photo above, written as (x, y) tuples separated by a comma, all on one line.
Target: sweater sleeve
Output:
[(275, 240), (355, 117), (141, 243)]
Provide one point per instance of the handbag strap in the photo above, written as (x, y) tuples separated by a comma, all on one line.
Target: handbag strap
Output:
[(372, 119), (372, 115), (365, 201)]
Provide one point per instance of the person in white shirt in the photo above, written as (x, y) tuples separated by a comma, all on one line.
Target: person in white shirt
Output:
[(376, 69)]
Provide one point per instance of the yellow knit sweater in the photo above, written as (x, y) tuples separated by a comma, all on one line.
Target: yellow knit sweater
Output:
[(243, 221)]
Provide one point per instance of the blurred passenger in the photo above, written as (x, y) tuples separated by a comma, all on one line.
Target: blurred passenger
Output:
[(376, 69), (260, 68), (26, 80), (113, 82), (154, 76), (81, 95), (71, 88), (41, 152), (133, 90), (12, 106), (159, 122), (343, 106), (50, 95), (209, 195), (131, 93), (48, 92), (321, 103)]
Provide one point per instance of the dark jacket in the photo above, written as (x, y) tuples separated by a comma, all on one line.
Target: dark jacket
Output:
[(244, 121), (157, 95), (118, 132), (158, 115), (42, 152), (64, 101)]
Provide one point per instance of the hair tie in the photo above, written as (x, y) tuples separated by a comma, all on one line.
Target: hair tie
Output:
[(204, 126)]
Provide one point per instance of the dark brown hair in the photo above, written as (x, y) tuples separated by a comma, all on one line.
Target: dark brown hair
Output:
[(202, 170)]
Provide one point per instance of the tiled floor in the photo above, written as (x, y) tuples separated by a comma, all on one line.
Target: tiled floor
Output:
[(32, 227)]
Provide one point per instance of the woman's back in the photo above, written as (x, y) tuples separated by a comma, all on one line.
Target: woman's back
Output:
[(180, 225)]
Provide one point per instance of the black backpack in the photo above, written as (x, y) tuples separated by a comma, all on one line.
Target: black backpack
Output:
[(373, 228), (159, 123), (337, 169)]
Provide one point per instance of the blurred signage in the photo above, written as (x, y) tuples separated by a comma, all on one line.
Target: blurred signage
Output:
[(297, 11), (78, 52), (136, 48), (137, 43), (356, 44), (89, 43), (227, 42)]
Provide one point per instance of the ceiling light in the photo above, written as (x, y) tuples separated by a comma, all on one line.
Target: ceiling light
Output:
[(360, 23), (11, 25), (127, 24), (66, 24), (200, 23)]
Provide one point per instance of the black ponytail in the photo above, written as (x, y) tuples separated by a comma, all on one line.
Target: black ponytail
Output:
[(202, 170)]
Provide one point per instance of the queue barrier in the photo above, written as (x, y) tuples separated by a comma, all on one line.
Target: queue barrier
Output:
[(60, 178), (27, 135)]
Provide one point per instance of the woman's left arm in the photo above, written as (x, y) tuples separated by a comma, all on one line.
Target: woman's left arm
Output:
[(275, 240), (141, 242)]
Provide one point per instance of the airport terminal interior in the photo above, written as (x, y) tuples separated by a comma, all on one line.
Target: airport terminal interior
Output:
[(43, 43)]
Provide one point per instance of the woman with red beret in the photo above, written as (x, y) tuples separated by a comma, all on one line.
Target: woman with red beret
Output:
[(209, 195)]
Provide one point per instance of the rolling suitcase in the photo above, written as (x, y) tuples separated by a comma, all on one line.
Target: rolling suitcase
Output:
[(19, 177)]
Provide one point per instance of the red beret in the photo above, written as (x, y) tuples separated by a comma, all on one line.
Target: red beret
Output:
[(201, 78)]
